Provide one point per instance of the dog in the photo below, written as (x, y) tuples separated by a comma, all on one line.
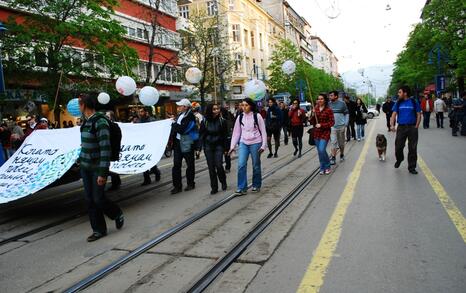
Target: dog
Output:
[(381, 144)]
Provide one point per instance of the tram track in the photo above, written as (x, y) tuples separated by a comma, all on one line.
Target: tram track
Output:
[(115, 265)]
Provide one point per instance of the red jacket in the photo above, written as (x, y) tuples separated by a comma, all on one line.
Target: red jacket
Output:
[(423, 105), (294, 118), (326, 121)]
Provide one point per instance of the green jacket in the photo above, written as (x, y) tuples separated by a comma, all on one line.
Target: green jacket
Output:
[(95, 145)]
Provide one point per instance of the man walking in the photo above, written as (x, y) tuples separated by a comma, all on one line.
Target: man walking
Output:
[(285, 122), (273, 126), (337, 135), (184, 133), (387, 109), (145, 117), (94, 164), (427, 107), (408, 112), (440, 107), (350, 131)]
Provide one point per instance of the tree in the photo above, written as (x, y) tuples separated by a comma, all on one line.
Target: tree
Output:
[(206, 47), (318, 80), (41, 45), (443, 27)]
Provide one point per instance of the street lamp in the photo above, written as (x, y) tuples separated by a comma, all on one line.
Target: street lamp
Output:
[(3, 30)]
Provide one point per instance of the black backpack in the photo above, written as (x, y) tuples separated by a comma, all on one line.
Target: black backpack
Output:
[(115, 137)]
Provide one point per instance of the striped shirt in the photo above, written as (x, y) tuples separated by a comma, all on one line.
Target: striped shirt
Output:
[(95, 145)]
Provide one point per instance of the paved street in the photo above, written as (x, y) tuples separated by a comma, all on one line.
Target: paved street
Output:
[(365, 228)]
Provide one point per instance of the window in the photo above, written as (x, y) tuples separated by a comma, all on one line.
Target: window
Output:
[(260, 42), (142, 70), (131, 32), (254, 66), (252, 39), (237, 89), (247, 65), (231, 4), (140, 33), (89, 60), (236, 33), (184, 11), (211, 8), (238, 62), (245, 38)]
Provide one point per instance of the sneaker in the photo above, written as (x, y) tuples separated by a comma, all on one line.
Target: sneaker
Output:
[(95, 236), (240, 193), (269, 156), (255, 189), (189, 187), (321, 172), (328, 171), (380, 158), (295, 152), (332, 161), (342, 158), (397, 164), (359, 139), (276, 155), (119, 221)]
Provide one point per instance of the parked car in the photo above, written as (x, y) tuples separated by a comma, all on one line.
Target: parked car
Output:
[(372, 112)]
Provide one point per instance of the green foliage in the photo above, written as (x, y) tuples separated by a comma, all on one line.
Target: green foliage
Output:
[(318, 80), (40, 45), (443, 25)]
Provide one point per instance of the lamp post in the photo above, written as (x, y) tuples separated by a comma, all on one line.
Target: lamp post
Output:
[(3, 30)]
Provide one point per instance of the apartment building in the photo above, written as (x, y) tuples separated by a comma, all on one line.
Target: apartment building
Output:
[(297, 29), (323, 57), (252, 35), (136, 17)]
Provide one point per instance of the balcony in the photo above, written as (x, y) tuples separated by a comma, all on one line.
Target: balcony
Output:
[(183, 24)]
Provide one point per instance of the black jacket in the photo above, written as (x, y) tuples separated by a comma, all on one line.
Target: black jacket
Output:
[(351, 105), (183, 127), (387, 107), (214, 132), (359, 110)]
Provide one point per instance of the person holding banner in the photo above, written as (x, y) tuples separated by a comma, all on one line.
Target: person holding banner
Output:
[(184, 133), (94, 162), (145, 117)]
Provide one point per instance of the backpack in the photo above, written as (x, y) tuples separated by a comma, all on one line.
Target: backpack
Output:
[(256, 123), (115, 137)]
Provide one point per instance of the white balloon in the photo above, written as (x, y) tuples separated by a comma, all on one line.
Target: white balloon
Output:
[(125, 85), (255, 89), (103, 98), (149, 96), (289, 67), (193, 75)]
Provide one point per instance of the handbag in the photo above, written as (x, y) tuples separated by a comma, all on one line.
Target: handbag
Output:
[(364, 115), (311, 136)]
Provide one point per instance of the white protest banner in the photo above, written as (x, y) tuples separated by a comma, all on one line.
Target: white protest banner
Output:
[(47, 154), (142, 146), (43, 158)]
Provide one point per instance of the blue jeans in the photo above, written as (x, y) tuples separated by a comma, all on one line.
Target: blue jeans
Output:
[(359, 131), (243, 155), (321, 145)]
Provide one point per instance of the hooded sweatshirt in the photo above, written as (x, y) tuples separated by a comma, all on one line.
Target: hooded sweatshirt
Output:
[(249, 133)]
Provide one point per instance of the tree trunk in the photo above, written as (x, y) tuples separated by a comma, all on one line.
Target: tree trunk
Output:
[(460, 81)]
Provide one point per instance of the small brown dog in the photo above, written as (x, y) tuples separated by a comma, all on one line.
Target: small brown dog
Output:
[(381, 144)]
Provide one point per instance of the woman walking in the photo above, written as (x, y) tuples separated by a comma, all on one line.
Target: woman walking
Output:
[(214, 139), (297, 117), (361, 119), (250, 133), (323, 120)]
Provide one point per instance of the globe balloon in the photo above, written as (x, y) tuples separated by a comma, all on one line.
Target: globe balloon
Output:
[(255, 89), (289, 67), (193, 75), (73, 107), (149, 96), (125, 85), (103, 98)]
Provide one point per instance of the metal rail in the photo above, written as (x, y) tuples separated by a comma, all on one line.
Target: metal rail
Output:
[(163, 236), (223, 263)]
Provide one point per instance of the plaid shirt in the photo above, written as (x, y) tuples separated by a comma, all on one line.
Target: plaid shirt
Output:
[(95, 145), (326, 121)]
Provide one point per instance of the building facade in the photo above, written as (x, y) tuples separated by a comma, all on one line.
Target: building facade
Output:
[(136, 17), (323, 57), (252, 35)]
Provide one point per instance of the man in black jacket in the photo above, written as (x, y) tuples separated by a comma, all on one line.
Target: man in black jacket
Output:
[(184, 133), (350, 131), (387, 108)]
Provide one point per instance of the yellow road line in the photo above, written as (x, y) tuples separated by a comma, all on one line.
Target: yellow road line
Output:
[(448, 204), (314, 277)]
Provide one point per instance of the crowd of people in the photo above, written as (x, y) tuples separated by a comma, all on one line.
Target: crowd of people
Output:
[(249, 131)]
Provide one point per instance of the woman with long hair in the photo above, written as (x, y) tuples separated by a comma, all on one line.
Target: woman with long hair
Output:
[(249, 132), (323, 120), (214, 139), (297, 117), (361, 119)]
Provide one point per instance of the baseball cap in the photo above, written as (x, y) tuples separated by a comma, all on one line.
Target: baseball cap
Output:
[(184, 102), (44, 120)]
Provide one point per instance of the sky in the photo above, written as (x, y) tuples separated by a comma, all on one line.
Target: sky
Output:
[(363, 33)]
